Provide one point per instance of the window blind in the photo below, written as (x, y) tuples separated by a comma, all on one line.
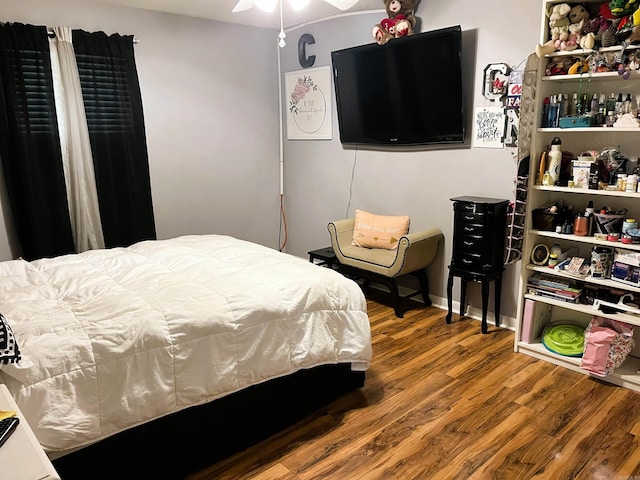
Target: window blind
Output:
[(106, 95)]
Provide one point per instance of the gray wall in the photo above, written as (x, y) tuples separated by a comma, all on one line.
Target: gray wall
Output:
[(210, 93), (318, 173)]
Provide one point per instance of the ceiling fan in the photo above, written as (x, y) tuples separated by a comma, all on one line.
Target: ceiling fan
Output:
[(270, 5)]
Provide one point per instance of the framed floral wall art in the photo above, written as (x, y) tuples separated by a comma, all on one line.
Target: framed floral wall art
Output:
[(308, 104)]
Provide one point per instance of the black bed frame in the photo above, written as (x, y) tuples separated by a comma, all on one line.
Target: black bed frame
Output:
[(182, 443)]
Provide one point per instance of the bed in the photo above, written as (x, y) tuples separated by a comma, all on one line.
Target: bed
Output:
[(142, 350)]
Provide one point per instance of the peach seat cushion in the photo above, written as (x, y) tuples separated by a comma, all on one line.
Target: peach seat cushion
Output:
[(379, 231)]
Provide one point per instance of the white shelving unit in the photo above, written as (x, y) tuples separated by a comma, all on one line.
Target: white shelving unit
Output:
[(577, 140)]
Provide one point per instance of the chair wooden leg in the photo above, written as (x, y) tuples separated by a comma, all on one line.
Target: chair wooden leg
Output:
[(397, 300), (424, 286)]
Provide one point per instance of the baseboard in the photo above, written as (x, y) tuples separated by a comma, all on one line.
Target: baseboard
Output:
[(474, 313), (441, 302)]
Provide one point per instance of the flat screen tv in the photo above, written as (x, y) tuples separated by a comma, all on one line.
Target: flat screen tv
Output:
[(406, 92)]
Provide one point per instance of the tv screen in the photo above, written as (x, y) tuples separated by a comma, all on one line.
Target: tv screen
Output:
[(406, 92)]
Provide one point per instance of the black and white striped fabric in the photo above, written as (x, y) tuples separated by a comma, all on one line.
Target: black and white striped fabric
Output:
[(9, 350)]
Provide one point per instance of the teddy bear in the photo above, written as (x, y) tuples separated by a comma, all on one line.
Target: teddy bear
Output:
[(558, 29), (399, 23)]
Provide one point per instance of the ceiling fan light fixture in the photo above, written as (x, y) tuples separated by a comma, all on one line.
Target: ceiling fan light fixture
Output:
[(342, 4), (298, 4), (266, 5)]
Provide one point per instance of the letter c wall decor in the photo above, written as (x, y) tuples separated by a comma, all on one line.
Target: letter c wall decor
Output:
[(305, 62)]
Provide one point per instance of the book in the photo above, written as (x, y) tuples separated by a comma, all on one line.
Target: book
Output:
[(7, 414)]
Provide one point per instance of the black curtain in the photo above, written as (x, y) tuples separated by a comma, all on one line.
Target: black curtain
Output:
[(113, 105), (29, 143)]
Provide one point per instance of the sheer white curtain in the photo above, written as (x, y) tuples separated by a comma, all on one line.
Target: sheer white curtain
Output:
[(79, 173)]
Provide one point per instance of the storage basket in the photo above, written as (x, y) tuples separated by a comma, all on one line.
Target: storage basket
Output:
[(608, 222)]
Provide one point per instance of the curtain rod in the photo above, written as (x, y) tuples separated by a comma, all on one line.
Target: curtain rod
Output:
[(52, 34)]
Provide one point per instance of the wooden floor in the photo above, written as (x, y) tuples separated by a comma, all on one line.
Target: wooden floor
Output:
[(446, 402)]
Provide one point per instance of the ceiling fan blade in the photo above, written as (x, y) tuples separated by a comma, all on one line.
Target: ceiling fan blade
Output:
[(243, 5), (342, 4)]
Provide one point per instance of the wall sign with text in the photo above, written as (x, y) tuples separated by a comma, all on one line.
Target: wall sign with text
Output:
[(308, 104)]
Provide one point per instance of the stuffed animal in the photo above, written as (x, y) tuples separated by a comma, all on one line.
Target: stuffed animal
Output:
[(558, 29), (627, 17), (601, 27), (622, 8), (579, 18), (399, 23)]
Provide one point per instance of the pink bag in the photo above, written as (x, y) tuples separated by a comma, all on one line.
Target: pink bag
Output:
[(606, 346)]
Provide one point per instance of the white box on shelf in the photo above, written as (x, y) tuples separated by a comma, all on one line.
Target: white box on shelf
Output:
[(581, 172)]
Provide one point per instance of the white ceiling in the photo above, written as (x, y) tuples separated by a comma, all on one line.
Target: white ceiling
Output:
[(221, 10)]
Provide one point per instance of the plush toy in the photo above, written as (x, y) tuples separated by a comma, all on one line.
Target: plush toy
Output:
[(579, 18), (622, 8), (399, 23), (558, 29), (559, 65), (601, 27), (627, 16)]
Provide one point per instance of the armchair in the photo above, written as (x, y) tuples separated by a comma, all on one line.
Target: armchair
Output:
[(414, 254)]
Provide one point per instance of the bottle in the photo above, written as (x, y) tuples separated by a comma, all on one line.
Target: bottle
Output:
[(619, 106), (594, 104), (627, 104), (545, 112), (610, 119), (602, 113), (542, 169), (611, 103), (581, 225), (621, 182), (632, 183), (555, 160), (589, 213), (564, 105), (584, 104), (552, 121), (629, 224), (573, 109)]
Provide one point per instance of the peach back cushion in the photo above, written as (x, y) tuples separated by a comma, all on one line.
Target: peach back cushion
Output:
[(379, 231)]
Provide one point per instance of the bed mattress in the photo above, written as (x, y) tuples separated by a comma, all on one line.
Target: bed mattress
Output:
[(114, 338)]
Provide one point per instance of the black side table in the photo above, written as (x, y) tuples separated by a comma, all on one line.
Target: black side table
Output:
[(478, 249), (324, 256)]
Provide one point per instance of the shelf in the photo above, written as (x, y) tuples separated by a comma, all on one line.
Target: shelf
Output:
[(607, 193), (605, 282), (578, 139), (587, 309), (585, 239), (589, 129), (626, 376), (593, 77), (584, 52)]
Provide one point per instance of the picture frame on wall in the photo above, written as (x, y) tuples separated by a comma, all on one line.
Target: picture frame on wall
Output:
[(488, 127), (308, 104)]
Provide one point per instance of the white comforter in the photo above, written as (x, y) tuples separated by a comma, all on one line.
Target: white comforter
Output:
[(114, 338)]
